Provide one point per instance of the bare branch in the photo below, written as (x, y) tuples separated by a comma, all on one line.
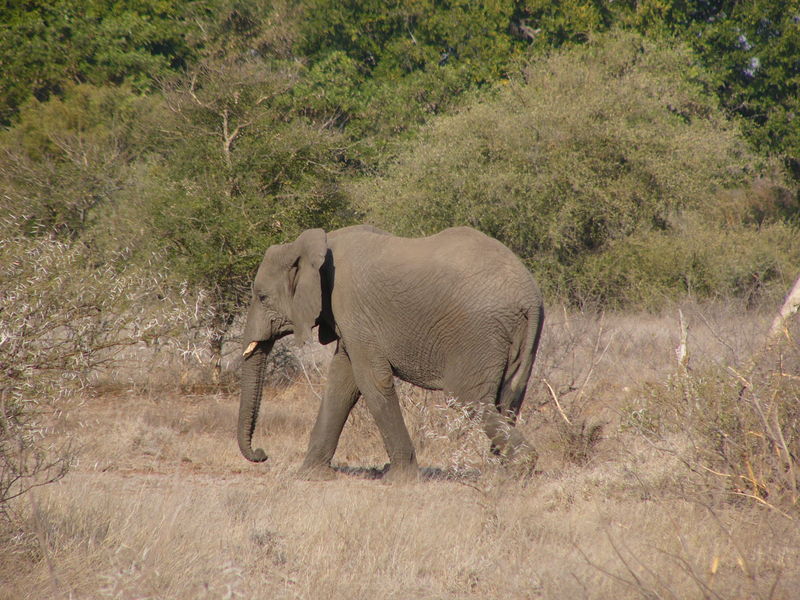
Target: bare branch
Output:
[(790, 307), (558, 404)]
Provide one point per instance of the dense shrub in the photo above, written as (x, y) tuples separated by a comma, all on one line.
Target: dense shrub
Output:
[(599, 146), (66, 156), (694, 258)]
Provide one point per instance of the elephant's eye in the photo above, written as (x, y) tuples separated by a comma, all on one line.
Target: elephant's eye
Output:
[(262, 298)]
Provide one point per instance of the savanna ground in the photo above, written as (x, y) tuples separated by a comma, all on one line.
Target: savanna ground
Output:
[(159, 503)]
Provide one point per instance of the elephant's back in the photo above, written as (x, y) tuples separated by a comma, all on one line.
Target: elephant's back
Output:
[(456, 263), (473, 258), (460, 270)]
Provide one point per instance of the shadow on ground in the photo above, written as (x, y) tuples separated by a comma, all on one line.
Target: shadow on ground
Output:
[(426, 473)]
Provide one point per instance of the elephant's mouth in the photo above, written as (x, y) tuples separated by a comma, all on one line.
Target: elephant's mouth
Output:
[(255, 344), (252, 346)]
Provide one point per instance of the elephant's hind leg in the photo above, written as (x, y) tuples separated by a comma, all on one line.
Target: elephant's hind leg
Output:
[(513, 386), (506, 441), (519, 365), (341, 395)]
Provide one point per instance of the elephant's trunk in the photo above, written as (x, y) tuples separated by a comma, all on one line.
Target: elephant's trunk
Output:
[(252, 384)]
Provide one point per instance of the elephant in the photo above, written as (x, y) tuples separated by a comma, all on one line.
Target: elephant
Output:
[(456, 311)]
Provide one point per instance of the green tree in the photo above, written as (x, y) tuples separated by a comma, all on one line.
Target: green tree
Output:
[(750, 49), (398, 38), (47, 45), (753, 49), (64, 157), (246, 29), (233, 173), (380, 69), (599, 143), (552, 24)]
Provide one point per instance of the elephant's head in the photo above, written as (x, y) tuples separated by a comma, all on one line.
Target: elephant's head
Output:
[(286, 298)]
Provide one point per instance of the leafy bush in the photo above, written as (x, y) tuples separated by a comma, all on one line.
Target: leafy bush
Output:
[(64, 157), (694, 258), (598, 145), (239, 172), (376, 111)]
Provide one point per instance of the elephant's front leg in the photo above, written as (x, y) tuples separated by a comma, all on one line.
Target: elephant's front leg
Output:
[(376, 383), (340, 397)]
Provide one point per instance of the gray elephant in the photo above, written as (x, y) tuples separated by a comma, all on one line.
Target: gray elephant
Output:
[(456, 311)]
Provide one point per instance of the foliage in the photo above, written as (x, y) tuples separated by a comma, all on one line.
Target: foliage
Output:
[(45, 46), (753, 50), (553, 24), (232, 173), (395, 39), (598, 144), (237, 175), (244, 29), (66, 156), (208, 172), (695, 258), (380, 70)]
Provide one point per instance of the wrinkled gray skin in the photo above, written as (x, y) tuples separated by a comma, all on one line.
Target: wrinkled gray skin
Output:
[(456, 311)]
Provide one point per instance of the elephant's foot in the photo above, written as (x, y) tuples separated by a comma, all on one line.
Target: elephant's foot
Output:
[(522, 462), (397, 474), (316, 473)]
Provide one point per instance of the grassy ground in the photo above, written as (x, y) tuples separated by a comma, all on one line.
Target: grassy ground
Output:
[(159, 503)]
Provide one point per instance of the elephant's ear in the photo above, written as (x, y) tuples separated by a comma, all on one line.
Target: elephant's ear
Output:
[(304, 282)]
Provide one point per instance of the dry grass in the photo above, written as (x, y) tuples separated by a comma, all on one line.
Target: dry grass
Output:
[(161, 505)]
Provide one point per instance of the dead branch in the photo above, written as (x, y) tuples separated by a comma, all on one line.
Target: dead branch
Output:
[(789, 308), (558, 404)]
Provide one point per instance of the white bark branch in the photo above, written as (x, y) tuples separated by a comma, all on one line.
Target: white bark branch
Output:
[(790, 306)]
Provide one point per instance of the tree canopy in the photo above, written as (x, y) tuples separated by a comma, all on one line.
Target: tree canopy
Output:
[(45, 46), (594, 149), (589, 135)]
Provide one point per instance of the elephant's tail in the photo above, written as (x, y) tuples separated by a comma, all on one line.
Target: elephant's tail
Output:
[(521, 355)]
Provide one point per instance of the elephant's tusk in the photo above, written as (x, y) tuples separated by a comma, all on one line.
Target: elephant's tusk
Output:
[(249, 350)]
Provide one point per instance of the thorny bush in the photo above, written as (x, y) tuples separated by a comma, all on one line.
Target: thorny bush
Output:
[(742, 424), (63, 319)]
